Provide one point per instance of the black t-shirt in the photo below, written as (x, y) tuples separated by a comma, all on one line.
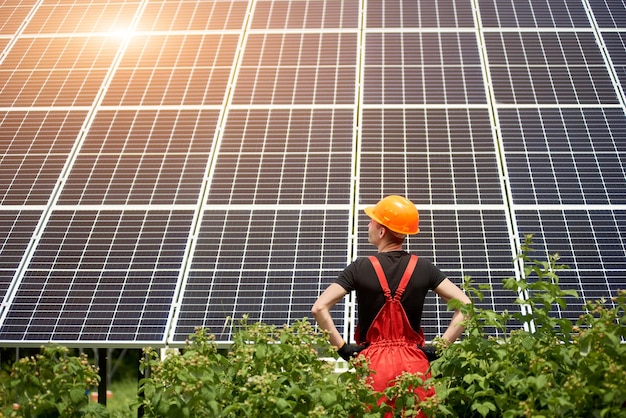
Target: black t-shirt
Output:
[(361, 277)]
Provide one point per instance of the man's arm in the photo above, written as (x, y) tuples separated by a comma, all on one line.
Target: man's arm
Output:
[(321, 312), (448, 290)]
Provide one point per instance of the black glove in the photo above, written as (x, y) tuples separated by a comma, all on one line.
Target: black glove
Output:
[(347, 351), (430, 351)]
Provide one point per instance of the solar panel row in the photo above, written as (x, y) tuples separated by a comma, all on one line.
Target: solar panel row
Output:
[(166, 165)]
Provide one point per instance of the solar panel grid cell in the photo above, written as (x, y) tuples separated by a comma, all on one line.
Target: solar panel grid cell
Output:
[(64, 71), (142, 157), (407, 14), (569, 156), (16, 228), (433, 153), (173, 70), (610, 13), (290, 69), (91, 17), (193, 15), (33, 152), (286, 157), (533, 14), (326, 14), (563, 130)]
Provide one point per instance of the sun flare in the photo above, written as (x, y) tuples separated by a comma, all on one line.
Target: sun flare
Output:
[(121, 33)]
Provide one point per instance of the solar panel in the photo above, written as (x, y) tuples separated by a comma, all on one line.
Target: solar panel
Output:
[(561, 148), (428, 68), (49, 71), (435, 156), (100, 276), (316, 15), (174, 69), (591, 242), (192, 15), (33, 152), (410, 14), (142, 157), (167, 165), (553, 68), (301, 156), (265, 264)]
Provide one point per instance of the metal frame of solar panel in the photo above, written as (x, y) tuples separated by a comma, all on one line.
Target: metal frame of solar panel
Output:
[(168, 165)]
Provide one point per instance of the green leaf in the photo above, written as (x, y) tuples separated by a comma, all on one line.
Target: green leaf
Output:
[(328, 398), (282, 404), (214, 407), (585, 347), (77, 395), (260, 351), (470, 378), (483, 408), (528, 343), (541, 381)]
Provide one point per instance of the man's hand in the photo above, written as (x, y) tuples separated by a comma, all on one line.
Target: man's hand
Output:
[(434, 350), (348, 351), (430, 351)]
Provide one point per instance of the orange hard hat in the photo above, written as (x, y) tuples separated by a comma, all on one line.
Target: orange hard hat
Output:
[(397, 213)]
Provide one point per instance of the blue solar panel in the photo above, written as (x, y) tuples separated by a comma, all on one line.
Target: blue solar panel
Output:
[(100, 276), (267, 265), (590, 241), (565, 156), (166, 165), (549, 69)]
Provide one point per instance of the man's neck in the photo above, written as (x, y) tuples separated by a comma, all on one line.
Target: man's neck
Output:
[(386, 247)]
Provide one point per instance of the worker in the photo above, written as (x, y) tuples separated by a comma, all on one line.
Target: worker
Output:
[(391, 287)]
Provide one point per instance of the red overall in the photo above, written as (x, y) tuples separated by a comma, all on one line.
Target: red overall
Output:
[(392, 341)]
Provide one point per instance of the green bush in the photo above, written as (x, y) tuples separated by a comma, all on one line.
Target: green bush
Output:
[(51, 384), (559, 369), (269, 372)]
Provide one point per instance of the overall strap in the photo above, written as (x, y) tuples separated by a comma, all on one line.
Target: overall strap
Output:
[(406, 276), (383, 279)]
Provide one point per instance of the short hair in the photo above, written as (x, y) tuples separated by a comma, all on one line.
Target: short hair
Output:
[(396, 237)]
